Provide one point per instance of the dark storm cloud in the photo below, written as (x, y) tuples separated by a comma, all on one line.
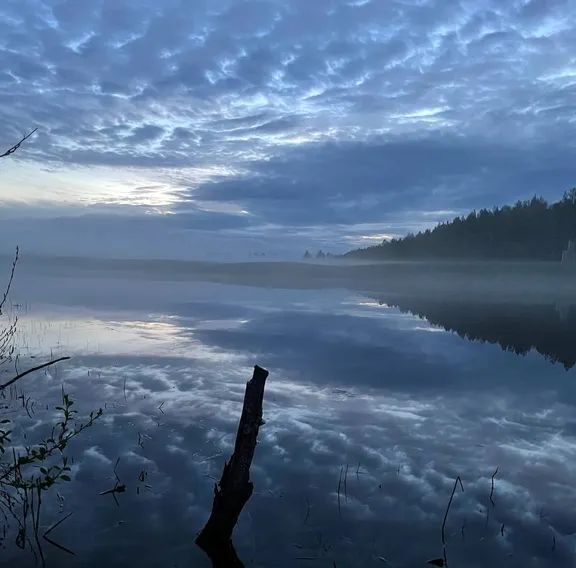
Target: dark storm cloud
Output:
[(369, 181), (362, 107)]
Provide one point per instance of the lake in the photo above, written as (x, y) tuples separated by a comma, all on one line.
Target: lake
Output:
[(375, 404)]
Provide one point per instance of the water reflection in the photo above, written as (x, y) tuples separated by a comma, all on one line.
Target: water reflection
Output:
[(356, 388), (549, 329)]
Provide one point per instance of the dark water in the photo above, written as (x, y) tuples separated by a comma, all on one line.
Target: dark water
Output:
[(363, 394)]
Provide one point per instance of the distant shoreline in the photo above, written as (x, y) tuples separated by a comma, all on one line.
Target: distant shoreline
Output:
[(519, 281)]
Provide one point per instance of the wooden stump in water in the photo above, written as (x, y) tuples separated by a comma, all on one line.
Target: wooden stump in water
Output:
[(235, 488)]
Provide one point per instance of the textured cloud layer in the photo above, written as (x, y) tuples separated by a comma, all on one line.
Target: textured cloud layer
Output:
[(332, 113)]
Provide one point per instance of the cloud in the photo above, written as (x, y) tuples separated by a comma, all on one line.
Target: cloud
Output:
[(372, 181), (146, 133), (365, 90)]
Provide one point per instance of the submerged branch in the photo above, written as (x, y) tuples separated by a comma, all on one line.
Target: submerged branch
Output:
[(235, 488)]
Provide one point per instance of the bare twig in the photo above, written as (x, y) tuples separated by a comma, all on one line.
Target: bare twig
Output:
[(491, 502), (13, 149), (36, 522), (7, 291), (492, 489), (116, 470), (50, 529), (456, 482), (307, 510), (340, 485), (119, 487), (20, 375)]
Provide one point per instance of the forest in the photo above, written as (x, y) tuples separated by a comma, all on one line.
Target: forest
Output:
[(529, 230)]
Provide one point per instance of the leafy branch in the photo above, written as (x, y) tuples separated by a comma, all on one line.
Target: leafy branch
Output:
[(29, 472)]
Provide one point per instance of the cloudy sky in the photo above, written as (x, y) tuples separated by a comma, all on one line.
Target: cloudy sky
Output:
[(229, 128)]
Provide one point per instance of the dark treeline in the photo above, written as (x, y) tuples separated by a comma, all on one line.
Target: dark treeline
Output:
[(529, 230)]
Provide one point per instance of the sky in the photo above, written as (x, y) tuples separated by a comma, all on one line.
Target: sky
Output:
[(232, 129)]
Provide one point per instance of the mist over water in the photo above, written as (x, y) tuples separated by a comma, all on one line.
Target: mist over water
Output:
[(393, 395)]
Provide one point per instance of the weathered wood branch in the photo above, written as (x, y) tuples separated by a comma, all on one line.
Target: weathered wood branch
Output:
[(235, 488), (23, 374)]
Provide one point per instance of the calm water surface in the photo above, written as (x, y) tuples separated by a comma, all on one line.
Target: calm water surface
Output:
[(362, 395)]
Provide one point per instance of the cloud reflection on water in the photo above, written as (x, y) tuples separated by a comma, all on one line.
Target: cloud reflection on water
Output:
[(350, 384)]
